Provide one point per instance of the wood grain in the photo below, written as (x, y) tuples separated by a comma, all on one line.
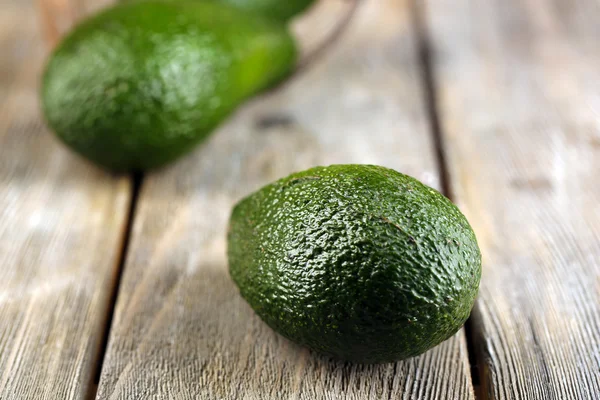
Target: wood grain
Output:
[(518, 85), (181, 330), (61, 226)]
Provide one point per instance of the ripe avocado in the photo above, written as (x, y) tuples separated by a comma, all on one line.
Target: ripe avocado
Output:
[(140, 84), (358, 262)]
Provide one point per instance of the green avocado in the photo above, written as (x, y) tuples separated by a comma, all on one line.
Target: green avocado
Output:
[(358, 262), (280, 10), (140, 84)]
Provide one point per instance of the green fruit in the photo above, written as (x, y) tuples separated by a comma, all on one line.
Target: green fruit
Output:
[(140, 84), (282, 10), (354, 261)]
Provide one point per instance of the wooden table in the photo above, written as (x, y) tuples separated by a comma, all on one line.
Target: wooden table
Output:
[(116, 287)]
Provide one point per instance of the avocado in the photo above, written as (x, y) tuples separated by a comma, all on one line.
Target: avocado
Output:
[(358, 262), (280, 10), (140, 84)]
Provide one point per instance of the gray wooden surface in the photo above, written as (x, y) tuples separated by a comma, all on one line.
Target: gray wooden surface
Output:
[(518, 84), (61, 228), (181, 330), (503, 112)]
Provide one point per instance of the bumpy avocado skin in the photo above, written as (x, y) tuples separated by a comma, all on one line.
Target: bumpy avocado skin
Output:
[(354, 261), (140, 84)]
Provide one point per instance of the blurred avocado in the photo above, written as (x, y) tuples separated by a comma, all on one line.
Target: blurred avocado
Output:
[(282, 10), (141, 83)]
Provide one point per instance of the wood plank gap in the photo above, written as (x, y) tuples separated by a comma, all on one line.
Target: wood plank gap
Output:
[(137, 179), (423, 46), (474, 352), (425, 55)]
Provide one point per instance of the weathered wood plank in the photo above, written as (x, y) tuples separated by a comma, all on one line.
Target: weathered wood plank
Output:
[(518, 84), (181, 330), (61, 226)]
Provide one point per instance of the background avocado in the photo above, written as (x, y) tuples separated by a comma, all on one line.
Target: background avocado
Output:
[(140, 84), (354, 261), (280, 10)]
